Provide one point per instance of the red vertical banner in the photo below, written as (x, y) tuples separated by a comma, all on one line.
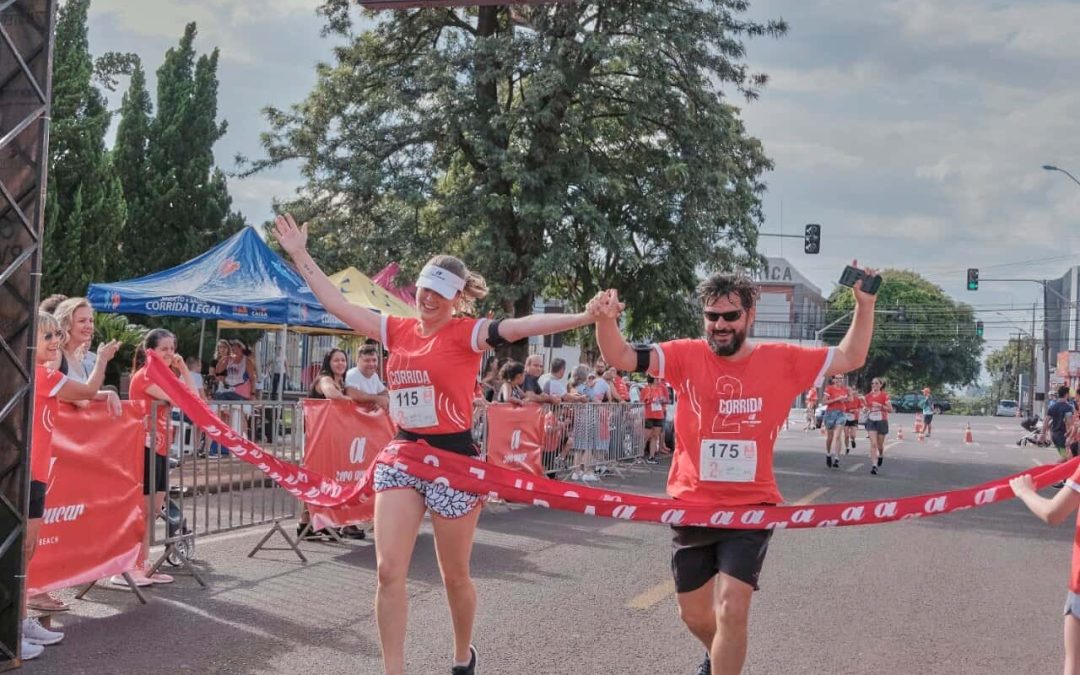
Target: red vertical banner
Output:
[(515, 437), (341, 441), (95, 512)]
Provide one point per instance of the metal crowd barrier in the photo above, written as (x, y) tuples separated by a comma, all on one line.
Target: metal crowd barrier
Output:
[(209, 490), (584, 437)]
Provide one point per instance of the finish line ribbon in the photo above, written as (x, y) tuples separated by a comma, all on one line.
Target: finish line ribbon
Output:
[(307, 486), (471, 475)]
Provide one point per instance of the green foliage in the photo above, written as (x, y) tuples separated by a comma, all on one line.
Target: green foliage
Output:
[(85, 208), (180, 199), (1005, 366), (559, 150), (925, 338), (118, 327)]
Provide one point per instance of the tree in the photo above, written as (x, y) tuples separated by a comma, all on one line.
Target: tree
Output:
[(85, 208), (130, 158), (183, 201), (922, 337), (1005, 366), (559, 150)]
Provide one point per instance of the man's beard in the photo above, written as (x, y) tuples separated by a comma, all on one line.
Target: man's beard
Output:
[(729, 348)]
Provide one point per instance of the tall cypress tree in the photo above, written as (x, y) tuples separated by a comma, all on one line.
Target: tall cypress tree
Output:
[(130, 160), (187, 205), (85, 208)]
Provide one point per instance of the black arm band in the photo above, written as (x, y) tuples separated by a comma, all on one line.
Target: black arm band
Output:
[(644, 353), (495, 340)]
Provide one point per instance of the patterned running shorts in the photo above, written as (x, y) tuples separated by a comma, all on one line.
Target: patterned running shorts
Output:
[(440, 499)]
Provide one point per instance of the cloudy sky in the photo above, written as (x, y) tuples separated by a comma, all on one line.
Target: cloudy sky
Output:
[(912, 130)]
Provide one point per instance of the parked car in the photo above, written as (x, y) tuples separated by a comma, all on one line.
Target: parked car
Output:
[(1006, 408), (909, 403)]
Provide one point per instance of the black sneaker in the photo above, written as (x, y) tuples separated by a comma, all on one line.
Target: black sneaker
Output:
[(469, 669), (706, 667), (836, 463), (828, 461), (352, 532), (880, 459), (651, 460), (873, 470)]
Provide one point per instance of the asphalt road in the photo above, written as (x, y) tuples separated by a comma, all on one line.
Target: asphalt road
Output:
[(974, 592)]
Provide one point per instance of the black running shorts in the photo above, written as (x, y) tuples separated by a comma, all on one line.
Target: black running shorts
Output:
[(699, 553), (37, 499)]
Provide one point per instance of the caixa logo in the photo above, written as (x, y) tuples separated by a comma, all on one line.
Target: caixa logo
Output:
[(63, 514)]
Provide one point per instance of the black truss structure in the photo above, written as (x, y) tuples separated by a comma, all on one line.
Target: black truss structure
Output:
[(26, 49)]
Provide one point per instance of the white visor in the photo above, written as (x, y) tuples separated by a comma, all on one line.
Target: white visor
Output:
[(443, 282)]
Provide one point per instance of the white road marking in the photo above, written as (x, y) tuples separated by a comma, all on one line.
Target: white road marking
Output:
[(810, 497), (652, 597), (854, 467)]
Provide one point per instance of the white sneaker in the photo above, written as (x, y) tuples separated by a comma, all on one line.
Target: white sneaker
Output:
[(34, 632), (590, 478), (30, 650), (576, 475), (120, 581)]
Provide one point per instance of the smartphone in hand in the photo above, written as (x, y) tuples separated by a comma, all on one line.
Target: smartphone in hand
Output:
[(870, 285)]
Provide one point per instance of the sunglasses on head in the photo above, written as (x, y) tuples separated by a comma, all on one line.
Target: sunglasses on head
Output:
[(731, 316)]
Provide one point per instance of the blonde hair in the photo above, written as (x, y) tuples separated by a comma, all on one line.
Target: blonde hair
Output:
[(475, 286), (65, 314), (46, 321)]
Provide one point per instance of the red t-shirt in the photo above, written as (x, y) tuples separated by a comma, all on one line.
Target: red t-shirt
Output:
[(854, 405), (137, 392), (1074, 575), (832, 391), (879, 397), (728, 414), (47, 385), (654, 396), (430, 379), (621, 388), (811, 397)]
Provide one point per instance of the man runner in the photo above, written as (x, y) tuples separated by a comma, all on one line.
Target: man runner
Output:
[(732, 398)]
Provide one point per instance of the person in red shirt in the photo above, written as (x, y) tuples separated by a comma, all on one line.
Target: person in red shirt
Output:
[(156, 449), (732, 398), (655, 397), (811, 407), (852, 408), (877, 421), (836, 399), (49, 386), (430, 374), (1054, 511)]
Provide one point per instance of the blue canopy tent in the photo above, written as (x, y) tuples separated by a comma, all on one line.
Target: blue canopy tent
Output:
[(240, 279)]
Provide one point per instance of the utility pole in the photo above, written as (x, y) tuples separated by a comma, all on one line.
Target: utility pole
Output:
[(1031, 385)]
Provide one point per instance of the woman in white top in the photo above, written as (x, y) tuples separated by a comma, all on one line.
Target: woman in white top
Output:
[(76, 318)]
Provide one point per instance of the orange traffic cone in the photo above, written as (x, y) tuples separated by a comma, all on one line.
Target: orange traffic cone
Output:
[(968, 438), (899, 433)]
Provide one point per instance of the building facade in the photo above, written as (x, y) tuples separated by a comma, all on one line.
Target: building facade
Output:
[(790, 309)]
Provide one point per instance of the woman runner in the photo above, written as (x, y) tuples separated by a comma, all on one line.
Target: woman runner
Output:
[(877, 421), (431, 374)]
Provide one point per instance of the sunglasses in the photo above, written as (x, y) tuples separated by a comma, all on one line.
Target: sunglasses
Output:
[(730, 317)]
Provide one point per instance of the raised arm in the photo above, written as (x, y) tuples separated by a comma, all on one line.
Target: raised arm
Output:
[(294, 240), (522, 327), (615, 349), (77, 391), (851, 353)]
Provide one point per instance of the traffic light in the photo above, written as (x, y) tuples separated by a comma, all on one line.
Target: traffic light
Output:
[(812, 239), (979, 328), (973, 279)]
